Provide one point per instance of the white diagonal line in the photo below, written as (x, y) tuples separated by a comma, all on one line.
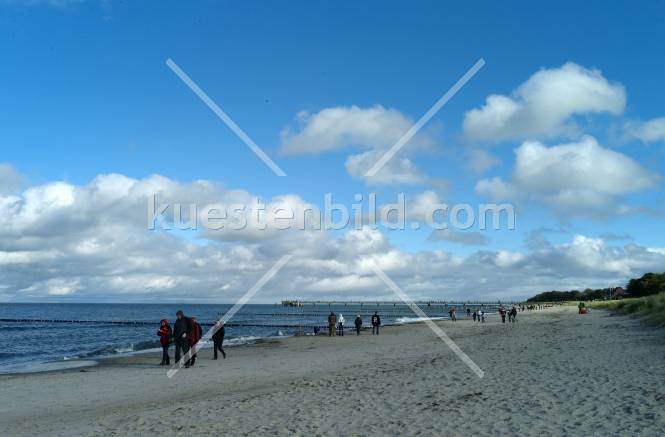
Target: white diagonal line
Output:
[(231, 312), (433, 326), (225, 118), (424, 119)]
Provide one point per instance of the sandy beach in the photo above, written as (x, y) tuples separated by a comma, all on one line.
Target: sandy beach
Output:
[(551, 373)]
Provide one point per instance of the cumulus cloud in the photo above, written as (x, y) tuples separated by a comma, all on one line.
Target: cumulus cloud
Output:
[(374, 129), (397, 171), (576, 178), (90, 242), (650, 131), (544, 105), (341, 127)]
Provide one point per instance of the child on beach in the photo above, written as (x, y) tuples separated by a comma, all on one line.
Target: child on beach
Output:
[(165, 339), (475, 315)]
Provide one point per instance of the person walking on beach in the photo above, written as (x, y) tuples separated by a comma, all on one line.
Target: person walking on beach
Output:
[(513, 313), (218, 339), (475, 315), (482, 316), (580, 307), (453, 316), (182, 327), (468, 312), (340, 325), (359, 324), (332, 324), (165, 334), (194, 338), (502, 313), (376, 322)]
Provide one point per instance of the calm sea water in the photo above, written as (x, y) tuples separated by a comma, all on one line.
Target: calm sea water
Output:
[(109, 329)]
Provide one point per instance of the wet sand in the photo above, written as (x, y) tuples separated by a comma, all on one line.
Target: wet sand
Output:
[(551, 373)]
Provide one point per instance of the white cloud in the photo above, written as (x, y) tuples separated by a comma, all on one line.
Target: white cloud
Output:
[(575, 178), (397, 171), (341, 127), (544, 104), (650, 131), (374, 129), (89, 242)]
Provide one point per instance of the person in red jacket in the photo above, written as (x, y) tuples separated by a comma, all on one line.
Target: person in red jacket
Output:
[(165, 339), (194, 338)]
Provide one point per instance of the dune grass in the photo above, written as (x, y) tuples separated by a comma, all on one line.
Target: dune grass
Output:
[(651, 308)]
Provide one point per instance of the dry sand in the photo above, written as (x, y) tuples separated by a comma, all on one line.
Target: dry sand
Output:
[(552, 373)]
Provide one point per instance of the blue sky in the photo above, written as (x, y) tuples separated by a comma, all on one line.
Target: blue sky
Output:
[(86, 92)]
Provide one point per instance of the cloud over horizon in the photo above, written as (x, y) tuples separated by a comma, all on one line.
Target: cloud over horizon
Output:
[(90, 242)]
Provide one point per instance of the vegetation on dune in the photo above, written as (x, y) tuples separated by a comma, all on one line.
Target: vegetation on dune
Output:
[(652, 308), (648, 285)]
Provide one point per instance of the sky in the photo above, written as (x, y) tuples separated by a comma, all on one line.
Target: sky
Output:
[(563, 122)]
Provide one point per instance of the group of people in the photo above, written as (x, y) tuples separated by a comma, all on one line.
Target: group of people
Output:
[(479, 316), (512, 314), (186, 332), (336, 324)]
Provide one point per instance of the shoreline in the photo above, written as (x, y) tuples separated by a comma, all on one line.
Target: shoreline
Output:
[(95, 361), (404, 381)]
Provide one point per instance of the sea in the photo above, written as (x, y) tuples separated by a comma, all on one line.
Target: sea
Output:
[(49, 336)]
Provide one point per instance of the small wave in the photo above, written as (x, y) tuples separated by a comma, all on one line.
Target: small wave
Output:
[(404, 320), (6, 328)]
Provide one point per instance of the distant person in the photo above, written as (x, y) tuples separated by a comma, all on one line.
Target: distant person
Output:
[(513, 313), (359, 324), (502, 313), (340, 325), (332, 323), (194, 338), (453, 316), (475, 315), (482, 316), (182, 328), (165, 335), (468, 312), (218, 340), (376, 322), (580, 307)]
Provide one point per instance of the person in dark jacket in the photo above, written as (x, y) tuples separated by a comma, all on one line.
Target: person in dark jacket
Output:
[(194, 338), (376, 322), (359, 324), (165, 334), (218, 339), (182, 328), (332, 324)]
